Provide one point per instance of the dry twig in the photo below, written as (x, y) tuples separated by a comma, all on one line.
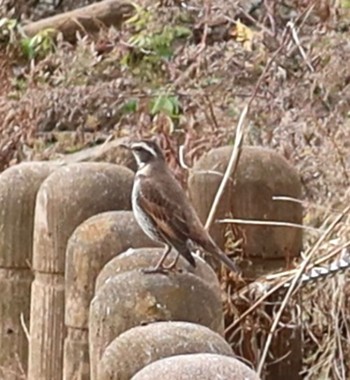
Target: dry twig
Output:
[(233, 161)]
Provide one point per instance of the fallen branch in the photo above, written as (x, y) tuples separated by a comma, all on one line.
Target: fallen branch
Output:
[(89, 19)]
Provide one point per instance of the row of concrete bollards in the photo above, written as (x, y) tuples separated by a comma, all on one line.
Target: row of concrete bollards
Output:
[(70, 260)]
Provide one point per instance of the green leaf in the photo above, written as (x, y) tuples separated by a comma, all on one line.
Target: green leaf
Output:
[(9, 29), (130, 106), (39, 45), (157, 105), (176, 104), (27, 48), (7, 24), (164, 52), (182, 31), (166, 104)]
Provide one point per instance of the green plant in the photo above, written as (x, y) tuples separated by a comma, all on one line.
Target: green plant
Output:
[(8, 30), (167, 104), (141, 18), (40, 45), (150, 46), (159, 44), (130, 106)]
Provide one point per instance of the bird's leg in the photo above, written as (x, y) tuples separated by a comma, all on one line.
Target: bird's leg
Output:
[(173, 264), (159, 268)]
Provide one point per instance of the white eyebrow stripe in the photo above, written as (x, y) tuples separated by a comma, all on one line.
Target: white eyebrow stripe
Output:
[(146, 147)]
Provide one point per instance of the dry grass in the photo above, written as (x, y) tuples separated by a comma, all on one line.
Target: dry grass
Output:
[(261, 310)]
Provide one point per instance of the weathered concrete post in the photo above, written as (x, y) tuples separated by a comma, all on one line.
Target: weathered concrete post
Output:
[(142, 345), (92, 244), (65, 199), (142, 258), (133, 298), (18, 189), (201, 366), (261, 174)]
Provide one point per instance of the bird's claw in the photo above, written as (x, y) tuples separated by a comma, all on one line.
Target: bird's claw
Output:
[(160, 270), (163, 270)]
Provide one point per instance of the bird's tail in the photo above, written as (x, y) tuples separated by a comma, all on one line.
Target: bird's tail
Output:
[(210, 246)]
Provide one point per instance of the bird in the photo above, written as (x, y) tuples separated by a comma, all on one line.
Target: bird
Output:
[(163, 210)]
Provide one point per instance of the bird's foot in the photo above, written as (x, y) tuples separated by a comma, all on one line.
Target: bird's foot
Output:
[(160, 270), (164, 269), (171, 268)]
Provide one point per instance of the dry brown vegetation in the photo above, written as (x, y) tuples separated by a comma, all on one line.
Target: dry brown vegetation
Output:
[(186, 74)]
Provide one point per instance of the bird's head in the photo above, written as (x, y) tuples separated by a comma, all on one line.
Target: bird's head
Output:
[(145, 152)]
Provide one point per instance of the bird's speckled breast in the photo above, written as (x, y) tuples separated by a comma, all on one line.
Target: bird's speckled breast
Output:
[(143, 220)]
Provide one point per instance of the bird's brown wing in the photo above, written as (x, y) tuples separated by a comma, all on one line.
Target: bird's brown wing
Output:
[(172, 213), (162, 206)]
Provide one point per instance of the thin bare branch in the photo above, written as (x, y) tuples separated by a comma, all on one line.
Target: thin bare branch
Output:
[(233, 162), (291, 26), (24, 327), (269, 223), (231, 167), (182, 158)]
